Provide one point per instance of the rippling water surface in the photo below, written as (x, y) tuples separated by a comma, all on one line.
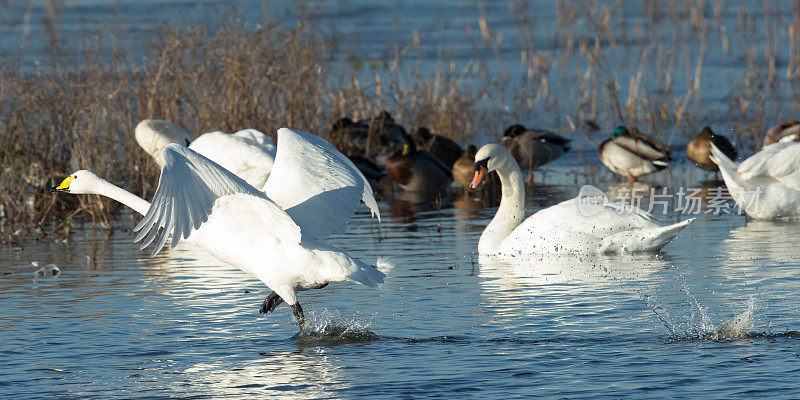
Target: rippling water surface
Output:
[(714, 314)]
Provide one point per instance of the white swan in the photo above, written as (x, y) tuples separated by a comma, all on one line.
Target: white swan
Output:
[(767, 184), (248, 153), (562, 228), (274, 236)]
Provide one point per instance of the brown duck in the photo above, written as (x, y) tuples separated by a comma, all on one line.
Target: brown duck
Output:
[(699, 149), (532, 148), (417, 170), (444, 148), (787, 131)]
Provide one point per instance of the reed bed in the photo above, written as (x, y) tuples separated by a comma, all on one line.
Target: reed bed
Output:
[(78, 109)]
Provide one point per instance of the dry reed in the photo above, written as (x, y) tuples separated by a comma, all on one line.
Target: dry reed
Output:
[(78, 110)]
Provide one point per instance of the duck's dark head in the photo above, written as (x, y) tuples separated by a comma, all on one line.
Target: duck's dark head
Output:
[(514, 130), (342, 123), (422, 134), (399, 142), (707, 132), (620, 131)]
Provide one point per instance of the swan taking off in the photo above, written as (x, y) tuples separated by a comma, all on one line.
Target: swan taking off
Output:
[(565, 227), (248, 153), (276, 235)]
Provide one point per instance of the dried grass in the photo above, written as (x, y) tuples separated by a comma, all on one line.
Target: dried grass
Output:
[(79, 110)]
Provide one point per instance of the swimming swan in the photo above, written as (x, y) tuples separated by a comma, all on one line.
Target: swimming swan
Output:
[(248, 153), (275, 236), (767, 184), (562, 228)]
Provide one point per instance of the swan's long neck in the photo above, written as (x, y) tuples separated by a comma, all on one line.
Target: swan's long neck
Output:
[(138, 204), (511, 211)]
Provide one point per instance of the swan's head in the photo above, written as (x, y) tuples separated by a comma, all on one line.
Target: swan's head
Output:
[(79, 182), (490, 157), (155, 134)]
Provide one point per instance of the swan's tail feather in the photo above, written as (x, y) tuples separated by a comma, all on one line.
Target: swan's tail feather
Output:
[(638, 240), (721, 159), (367, 275), (729, 172)]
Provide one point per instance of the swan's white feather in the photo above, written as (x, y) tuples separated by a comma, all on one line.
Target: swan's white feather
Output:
[(610, 228), (316, 184), (767, 184), (249, 154), (567, 227), (780, 161), (189, 186)]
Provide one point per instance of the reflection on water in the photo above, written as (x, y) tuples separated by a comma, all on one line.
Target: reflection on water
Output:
[(763, 243), (118, 324)]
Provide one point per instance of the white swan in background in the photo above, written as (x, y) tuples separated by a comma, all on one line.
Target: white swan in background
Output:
[(767, 184), (249, 154), (275, 236), (562, 228)]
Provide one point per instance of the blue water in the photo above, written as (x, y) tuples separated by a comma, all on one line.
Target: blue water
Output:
[(715, 314), (446, 323)]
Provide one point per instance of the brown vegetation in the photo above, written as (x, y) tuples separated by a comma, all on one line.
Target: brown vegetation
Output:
[(79, 110)]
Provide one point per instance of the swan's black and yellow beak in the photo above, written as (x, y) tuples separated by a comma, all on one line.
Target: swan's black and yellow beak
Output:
[(63, 187), (480, 171)]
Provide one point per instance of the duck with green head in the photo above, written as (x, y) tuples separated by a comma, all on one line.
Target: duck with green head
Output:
[(633, 154)]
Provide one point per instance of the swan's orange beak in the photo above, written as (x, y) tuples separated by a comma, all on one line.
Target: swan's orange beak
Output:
[(480, 172)]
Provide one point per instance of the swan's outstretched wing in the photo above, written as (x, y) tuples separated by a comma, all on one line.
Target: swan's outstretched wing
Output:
[(780, 161), (316, 184), (259, 139), (248, 153), (190, 185)]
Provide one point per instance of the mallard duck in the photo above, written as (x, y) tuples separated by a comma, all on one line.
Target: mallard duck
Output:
[(568, 227), (785, 132), (363, 138), (533, 148), (633, 154), (371, 171), (350, 138), (444, 148), (699, 149), (417, 170), (767, 184)]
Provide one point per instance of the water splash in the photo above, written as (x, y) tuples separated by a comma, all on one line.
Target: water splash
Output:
[(699, 325), (384, 265), (739, 326), (330, 328), (47, 271)]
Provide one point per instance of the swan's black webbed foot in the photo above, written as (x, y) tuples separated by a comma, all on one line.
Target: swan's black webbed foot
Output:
[(269, 304), (298, 313)]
